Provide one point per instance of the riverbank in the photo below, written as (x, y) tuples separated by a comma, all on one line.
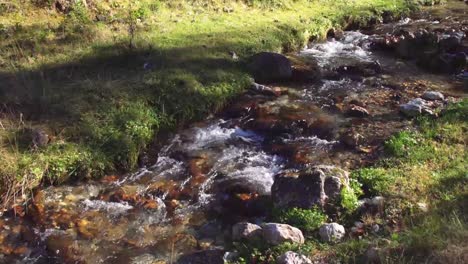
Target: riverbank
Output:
[(86, 88)]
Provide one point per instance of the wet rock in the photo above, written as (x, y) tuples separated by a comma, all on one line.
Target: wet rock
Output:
[(415, 107), (315, 186), (291, 257), (451, 43), (336, 34), (63, 247), (276, 234), (268, 67), (362, 69), (263, 89), (432, 96), (247, 231), (357, 111), (351, 139), (145, 259), (212, 256), (443, 63), (332, 232)]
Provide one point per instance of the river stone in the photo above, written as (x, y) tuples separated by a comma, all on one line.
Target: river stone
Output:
[(331, 232), (415, 107), (276, 234), (312, 187), (212, 256), (268, 67), (357, 111), (246, 231), (293, 258), (432, 96)]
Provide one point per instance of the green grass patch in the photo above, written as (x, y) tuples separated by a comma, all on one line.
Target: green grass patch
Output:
[(308, 220)]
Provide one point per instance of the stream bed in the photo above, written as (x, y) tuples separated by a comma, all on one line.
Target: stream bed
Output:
[(220, 171)]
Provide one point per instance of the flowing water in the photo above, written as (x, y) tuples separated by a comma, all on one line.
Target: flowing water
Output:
[(220, 171)]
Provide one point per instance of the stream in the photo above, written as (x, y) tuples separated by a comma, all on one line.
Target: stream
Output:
[(220, 171)]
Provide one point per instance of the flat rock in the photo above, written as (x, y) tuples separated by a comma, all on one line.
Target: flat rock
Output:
[(276, 234), (432, 96), (291, 257)]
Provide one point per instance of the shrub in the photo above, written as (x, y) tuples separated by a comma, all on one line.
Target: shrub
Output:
[(307, 220)]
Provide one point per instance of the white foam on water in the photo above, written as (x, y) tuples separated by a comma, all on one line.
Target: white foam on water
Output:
[(111, 208), (314, 141), (209, 136), (335, 53), (249, 166)]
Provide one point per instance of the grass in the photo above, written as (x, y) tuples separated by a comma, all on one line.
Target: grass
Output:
[(103, 79), (424, 167)]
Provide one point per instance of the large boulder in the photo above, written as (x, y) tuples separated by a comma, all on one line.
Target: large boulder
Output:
[(332, 232), (246, 231), (291, 257), (312, 187), (276, 234), (268, 67)]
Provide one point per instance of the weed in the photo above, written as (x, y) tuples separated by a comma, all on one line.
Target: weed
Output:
[(307, 220)]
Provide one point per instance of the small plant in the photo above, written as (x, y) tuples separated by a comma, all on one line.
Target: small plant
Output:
[(374, 181), (349, 199), (398, 144), (307, 220)]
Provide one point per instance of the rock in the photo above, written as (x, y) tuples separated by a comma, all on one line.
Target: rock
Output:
[(451, 43), (432, 96), (372, 255), (233, 55), (276, 234), (212, 256), (331, 232), (293, 258), (65, 6), (268, 67), (312, 187), (144, 259), (263, 89), (230, 257), (246, 231), (336, 34), (351, 139), (372, 206), (40, 138), (415, 107), (357, 111)]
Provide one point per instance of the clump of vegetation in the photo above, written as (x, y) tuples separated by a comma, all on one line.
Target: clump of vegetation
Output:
[(308, 220), (264, 253)]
